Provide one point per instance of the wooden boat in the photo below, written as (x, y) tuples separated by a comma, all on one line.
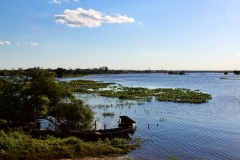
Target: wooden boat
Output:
[(87, 135), (126, 126), (125, 121), (102, 134)]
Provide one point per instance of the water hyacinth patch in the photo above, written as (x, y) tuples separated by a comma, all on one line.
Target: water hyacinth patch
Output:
[(180, 95)]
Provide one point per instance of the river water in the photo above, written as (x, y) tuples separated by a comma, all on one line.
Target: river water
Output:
[(210, 130)]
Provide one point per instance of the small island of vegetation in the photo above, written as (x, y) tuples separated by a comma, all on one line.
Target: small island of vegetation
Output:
[(176, 72)]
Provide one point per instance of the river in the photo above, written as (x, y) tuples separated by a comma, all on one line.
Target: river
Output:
[(210, 130)]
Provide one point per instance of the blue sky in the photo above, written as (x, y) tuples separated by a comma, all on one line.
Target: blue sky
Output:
[(120, 34)]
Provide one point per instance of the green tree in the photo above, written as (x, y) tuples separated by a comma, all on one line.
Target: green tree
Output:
[(181, 73), (11, 87), (60, 72), (73, 115), (39, 95), (171, 72)]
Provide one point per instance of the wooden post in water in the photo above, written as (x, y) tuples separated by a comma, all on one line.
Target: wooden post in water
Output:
[(95, 125), (148, 126), (157, 124)]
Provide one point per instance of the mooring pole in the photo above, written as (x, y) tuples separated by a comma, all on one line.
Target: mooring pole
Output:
[(95, 125), (148, 126)]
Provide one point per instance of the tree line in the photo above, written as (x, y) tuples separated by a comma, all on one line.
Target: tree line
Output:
[(63, 72), (236, 72)]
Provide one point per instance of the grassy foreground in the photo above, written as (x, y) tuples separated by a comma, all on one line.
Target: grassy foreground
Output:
[(17, 145)]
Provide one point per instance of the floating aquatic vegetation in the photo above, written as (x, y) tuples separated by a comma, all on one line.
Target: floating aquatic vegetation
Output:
[(110, 114), (181, 95), (113, 90)]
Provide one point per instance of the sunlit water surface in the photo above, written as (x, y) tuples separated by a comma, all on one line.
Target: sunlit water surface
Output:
[(210, 130)]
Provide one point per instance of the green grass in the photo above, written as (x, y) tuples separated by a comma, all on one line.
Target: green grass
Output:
[(86, 86), (17, 145)]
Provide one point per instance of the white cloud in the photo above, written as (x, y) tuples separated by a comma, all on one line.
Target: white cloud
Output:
[(88, 18), (17, 44), (34, 44), (7, 42), (55, 1)]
